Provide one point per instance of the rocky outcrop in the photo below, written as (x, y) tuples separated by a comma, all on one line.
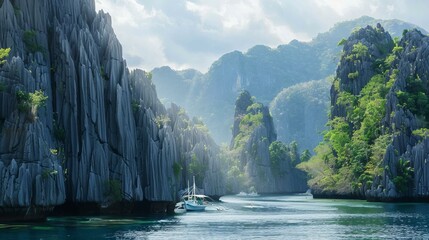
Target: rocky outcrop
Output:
[(91, 100), (360, 53), (419, 158), (411, 76), (379, 100), (31, 176), (86, 120), (253, 138), (374, 45), (76, 125), (173, 148)]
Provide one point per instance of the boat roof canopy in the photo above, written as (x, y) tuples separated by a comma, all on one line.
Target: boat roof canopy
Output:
[(199, 196)]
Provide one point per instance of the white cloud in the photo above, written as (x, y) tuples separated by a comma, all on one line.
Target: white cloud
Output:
[(194, 33), (373, 8)]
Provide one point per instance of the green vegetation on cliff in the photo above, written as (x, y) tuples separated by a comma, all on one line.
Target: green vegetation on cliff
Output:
[(351, 155), (281, 153), (415, 98), (30, 102), (247, 125), (378, 127), (256, 161), (350, 139), (4, 52)]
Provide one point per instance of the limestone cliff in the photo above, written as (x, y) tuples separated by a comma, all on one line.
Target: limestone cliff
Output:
[(264, 164), (406, 172), (376, 147), (76, 125), (172, 148)]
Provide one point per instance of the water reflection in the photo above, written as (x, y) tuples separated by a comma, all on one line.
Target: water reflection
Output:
[(267, 217)]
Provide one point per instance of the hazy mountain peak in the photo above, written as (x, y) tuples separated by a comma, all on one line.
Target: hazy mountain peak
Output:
[(258, 50), (265, 71)]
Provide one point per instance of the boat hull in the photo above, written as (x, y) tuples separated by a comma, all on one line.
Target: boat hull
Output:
[(192, 206)]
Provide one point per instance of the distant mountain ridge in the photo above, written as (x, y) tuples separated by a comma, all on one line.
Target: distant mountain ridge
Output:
[(300, 113), (262, 70)]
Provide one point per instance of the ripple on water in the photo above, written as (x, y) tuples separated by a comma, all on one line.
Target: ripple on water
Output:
[(262, 217)]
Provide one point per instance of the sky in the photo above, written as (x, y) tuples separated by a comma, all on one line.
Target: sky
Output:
[(195, 33)]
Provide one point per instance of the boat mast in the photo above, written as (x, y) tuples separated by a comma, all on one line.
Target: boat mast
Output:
[(188, 190), (194, 189)]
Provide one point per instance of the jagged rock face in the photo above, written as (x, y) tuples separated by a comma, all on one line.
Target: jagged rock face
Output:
[(257, 158), (419, 158), (170, 144), (101, 126), (156, 144), (253, 133), (241, 105), (198, 154), (412, 62), (73, 56), (404, 70), (92, 103), (356, 68), (378, 44), (30, 175)]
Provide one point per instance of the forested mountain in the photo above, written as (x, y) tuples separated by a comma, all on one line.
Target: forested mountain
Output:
[(263, 71), (300, 113), (377, 145)]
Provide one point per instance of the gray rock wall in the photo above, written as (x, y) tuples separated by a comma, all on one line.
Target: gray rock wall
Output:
[(404, 174), (419, 158), (378, 43), (101, 126), (30, 174), (93, 106), (167, 138), (258, 164), (405, 146)]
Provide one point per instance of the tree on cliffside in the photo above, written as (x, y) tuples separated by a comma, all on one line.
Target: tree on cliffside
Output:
[(377, 116), (4, 52), (355, 125)]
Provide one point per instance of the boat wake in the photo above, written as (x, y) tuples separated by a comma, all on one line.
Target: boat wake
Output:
[(244, 194)]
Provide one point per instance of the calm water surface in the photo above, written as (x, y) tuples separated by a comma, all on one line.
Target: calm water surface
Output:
[(262, 217)]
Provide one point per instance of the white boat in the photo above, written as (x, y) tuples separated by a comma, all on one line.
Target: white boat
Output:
[(195, 205), (191, 201), (194, 202)]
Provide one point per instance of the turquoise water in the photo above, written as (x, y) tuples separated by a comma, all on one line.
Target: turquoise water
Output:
[(262, 217)]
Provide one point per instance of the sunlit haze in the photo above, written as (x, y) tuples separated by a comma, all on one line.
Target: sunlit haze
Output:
[(194, 33)]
